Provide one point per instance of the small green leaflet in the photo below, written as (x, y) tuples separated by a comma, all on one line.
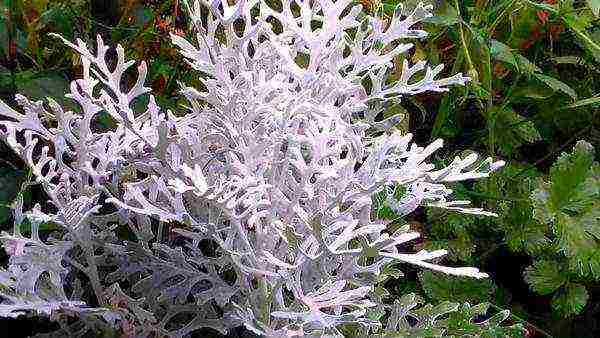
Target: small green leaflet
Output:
[(571, 300), (545, 277)]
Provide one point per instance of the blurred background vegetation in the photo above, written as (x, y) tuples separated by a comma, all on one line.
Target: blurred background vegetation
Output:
[(535, 92)]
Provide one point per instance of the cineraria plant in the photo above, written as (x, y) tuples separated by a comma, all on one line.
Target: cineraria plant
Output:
[(252, 206)]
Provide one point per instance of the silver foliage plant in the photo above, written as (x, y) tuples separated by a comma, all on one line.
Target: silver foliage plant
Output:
[(251, 208)]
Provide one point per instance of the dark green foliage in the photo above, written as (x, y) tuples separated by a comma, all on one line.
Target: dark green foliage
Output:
[(570, 300), (440, 287), (570, 204), (545, 277)]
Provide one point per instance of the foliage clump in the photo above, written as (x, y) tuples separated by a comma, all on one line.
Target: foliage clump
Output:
[(253, 206)]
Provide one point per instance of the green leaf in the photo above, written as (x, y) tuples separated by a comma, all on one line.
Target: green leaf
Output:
[(557, 85), (570, 203), (502, 52), (445, 15), (579, 24), (543, 6), (466, 322), (585, 102), (522, 233), (440, 287), (545, 277), (577, 241), (526, 66), (58, 20), (570, 300), (567, 176), (568, 60), (52, 85), (511, 130)]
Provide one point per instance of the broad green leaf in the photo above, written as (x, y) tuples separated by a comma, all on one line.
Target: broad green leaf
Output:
[(445, 15), (567, 175), (545, 277), (526, 66), (532, 90), (557, 85), (570, 300), (38, 88), (502, 52), (57, 20), (585, 102), (512, 130), (570, 204)]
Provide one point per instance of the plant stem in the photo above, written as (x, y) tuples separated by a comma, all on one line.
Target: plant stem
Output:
[(463, 40), (500, 17)]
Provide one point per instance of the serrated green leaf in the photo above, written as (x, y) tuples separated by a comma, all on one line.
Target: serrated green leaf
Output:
[(578, 245), (441, 287), (545, 277), (540, 197), (512, 130), (522, 231), (567, 177), (463, 323), (569, 204), (570, 300)]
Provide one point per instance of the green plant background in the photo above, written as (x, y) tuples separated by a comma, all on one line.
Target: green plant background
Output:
[(535, 93)]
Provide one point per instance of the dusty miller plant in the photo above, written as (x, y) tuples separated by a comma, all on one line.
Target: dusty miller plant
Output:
[(250, 207)]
